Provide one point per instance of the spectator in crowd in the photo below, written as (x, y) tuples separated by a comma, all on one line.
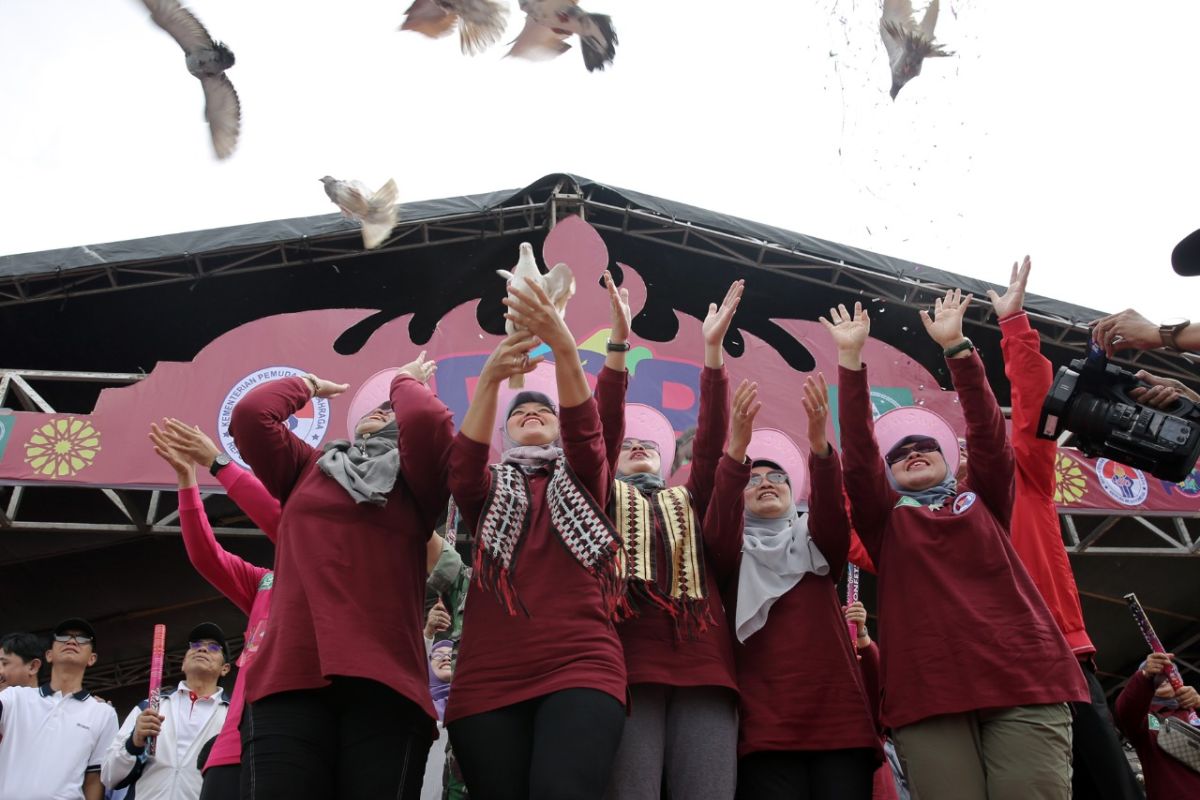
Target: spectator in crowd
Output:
[(188, 716), (539, 688), (248, 586), (1099, 768), (890, 783), (976, 674), (338, 703), (1143, 708), (21, 656), (53, 737), (682, 726), (443, 781), (806, 724)]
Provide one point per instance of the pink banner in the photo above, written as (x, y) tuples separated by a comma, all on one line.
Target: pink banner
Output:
[(108, 447)]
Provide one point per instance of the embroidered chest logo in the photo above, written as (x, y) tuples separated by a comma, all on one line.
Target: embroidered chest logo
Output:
[(963, 502), (267, 582)]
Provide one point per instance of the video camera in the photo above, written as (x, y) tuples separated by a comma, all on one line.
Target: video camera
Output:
[(1090, 398)]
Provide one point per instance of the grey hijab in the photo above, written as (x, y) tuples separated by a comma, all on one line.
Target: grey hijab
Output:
[(776, 555), (367, 467)]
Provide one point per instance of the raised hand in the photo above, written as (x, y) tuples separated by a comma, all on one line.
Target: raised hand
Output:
[(716, 322), (746, 406), (420, 369), (511, 357), (191, 442), (438, 620), (323, 388), (945, 324), (1156, 663), (533, 311), (1013, 300), (816, 406), (620, 314), (849, 332), (165, 449)]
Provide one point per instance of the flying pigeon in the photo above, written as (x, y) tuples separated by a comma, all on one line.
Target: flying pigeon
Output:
[(207, 60), (558, 284), (548, 23), (376, 211), (480, 22), (907, 43)]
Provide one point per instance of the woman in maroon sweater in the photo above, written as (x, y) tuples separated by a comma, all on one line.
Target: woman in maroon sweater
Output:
[(806, 725), (338, 702), (1143, 707), (537, 706), (682, 727), (976, 674)]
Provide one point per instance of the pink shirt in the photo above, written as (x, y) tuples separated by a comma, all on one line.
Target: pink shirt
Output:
[(247, 586)]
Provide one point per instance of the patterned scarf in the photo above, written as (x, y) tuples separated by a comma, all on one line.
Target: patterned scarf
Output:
[(574, 517), (663, 554)]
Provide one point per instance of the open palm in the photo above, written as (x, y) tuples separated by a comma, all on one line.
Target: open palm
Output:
[(1013, 299), (716, 323), (944, 326), (849, 331)]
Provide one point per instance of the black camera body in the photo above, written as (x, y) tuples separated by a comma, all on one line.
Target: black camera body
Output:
[(1090, 398)]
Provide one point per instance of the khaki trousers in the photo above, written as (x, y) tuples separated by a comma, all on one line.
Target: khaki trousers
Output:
[(1018, 753)]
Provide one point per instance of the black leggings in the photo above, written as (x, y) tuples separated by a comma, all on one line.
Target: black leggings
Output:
[(355, 739), (1101, 770), (559, 746), (222, 783), (807, 775)]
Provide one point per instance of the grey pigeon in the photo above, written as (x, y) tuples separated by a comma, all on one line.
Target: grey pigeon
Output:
[(480, 23), (548, 24), (207, 60), (907, 42), (375, 210)]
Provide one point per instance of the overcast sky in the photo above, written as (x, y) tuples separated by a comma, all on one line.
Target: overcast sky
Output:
[(1064, 129)]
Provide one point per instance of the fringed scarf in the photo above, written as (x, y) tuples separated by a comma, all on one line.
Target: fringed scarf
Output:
[(663, 554), (574, 517)]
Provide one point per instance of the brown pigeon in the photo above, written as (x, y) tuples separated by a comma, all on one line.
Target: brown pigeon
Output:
[(480, 22), (548, 24)]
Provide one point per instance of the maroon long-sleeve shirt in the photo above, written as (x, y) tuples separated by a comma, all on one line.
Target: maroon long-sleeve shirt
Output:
[(349, 577), (961, 624)]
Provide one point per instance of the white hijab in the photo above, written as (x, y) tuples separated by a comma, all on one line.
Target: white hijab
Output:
[(776, 555)]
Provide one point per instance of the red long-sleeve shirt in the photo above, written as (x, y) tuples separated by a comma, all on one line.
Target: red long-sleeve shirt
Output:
[(961, 624), (350, 577), (1166, 777), (567, 641), (654, 653), (801, 688), (1035, 530)]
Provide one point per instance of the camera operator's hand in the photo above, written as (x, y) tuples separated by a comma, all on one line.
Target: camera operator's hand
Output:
[(1013, 299), (1162, 393), (1125, 330)]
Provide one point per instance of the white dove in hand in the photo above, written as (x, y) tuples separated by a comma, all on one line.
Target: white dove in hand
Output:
[(908, 43), (558, 284), (548, 24), (375, 210), (207, 60), (481, 23)]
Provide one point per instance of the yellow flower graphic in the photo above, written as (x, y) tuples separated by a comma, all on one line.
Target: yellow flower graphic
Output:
[(62, 447), (1069, 481)]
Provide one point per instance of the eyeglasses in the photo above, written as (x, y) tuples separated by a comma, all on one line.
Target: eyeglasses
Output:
[(899, 453), (444, 656), (772, 477), (210, 647), (639, 444), (77, 638)]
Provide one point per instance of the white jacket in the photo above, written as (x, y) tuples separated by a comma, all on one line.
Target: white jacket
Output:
[(165, 776)]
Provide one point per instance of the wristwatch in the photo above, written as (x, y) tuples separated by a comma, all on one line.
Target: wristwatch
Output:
[(965, 344), (219, 463), (1171, 328), (617, 347)]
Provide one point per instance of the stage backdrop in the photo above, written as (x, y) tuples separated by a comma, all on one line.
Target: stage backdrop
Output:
[(108, 447)]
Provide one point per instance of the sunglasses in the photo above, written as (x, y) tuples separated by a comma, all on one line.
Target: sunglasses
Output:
[(772, 477), (210, 647), (77, 638), (901, 452), (632, 444)]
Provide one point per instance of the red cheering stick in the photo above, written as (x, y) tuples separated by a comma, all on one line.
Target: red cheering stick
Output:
[(852, 597), (1143, 622), (156, 670)]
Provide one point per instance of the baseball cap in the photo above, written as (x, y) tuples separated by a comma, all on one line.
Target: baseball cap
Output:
[(210, 630), (76, 624)]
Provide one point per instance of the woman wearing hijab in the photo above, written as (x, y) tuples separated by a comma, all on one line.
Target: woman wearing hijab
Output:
[(338, 702), (682, 727), (976, 673), (806, 724), (1142, 710), (539, 687)]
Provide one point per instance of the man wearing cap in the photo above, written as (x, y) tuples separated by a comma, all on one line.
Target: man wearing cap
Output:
[(188, 716), (54, 735)]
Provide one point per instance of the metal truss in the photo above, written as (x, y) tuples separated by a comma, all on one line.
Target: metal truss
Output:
[(1187, 663)]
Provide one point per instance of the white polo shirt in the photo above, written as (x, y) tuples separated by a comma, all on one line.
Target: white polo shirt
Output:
[(50, 740)]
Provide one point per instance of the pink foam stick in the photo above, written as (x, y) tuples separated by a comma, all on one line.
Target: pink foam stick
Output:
[(157, 652), (1143, 622), (852, 597)]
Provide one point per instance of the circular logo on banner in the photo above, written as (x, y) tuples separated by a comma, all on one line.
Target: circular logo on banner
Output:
[(1122, 483), (963, 502), (882, 402), (309, 424)]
